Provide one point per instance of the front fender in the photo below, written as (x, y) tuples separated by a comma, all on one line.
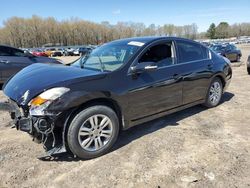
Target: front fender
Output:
[(74, 99)]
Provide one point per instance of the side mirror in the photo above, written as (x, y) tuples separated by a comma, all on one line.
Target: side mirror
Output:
[(144, 67)]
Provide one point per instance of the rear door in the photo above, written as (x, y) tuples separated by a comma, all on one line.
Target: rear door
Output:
[(196, 67), (12, 61)]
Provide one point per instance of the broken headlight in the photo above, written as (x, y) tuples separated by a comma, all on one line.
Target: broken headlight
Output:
[(39, 104)]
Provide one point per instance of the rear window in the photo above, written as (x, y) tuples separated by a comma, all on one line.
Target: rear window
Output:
[(189, 51)]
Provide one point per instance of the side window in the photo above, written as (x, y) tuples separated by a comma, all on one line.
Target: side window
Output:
[(191, 52), (228, 48), (233, 47), (161, 54), (205, 52), (5, 51), (17, 53)]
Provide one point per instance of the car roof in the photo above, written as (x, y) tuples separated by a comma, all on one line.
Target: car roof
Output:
[(9, 47), (151, 39)]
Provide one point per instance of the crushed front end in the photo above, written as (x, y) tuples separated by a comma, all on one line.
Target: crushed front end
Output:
[(35, 118)]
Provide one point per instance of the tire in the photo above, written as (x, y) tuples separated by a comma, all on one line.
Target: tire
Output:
[(248, 70), (84, 129), (238, 58), (214, 93)]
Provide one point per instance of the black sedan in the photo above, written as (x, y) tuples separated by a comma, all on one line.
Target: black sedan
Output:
[(13, 60), (229, 51), (81, 108)]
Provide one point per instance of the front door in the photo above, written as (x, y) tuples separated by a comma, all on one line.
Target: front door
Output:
[(153, 92), (11, 61)]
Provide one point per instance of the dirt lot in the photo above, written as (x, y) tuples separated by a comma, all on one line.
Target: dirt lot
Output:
[(68, 59), (197, 147)]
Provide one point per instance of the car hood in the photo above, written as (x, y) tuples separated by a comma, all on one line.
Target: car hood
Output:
[(38, 77), (41, 59)]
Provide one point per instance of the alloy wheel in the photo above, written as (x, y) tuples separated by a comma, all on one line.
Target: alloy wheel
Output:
[(95, 132), (215, 93)]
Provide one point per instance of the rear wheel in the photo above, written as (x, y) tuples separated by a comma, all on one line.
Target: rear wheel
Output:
[(93, 132), (214, 93), (248, 70), (238, 58)]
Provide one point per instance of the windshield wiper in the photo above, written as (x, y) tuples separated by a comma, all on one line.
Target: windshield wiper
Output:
[(101, 63), (84, 59)]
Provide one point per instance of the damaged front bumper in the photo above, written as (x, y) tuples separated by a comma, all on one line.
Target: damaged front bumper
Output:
[(41, 128)]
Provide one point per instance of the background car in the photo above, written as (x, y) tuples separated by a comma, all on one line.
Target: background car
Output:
[(13, 60), (57, 52), (69, 52), (84, 50), (49, 51), (76, 52), (39, 52), (229, 51)]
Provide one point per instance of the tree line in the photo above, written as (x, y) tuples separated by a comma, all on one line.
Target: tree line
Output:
[(224, 30), (37, 31)]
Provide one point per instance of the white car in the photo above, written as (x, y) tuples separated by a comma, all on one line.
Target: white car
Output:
[(76, 52)]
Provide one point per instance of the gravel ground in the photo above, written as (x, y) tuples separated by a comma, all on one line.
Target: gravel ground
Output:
[(197, 147)]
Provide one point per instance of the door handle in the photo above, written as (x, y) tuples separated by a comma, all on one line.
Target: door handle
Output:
[(151, 67), (4, 61)]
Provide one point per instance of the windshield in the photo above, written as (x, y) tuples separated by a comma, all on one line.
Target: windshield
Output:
[(108, 57), (218, 48)]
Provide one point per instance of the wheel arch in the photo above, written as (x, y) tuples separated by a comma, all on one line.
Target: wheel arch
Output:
[(222, 79), (97, 101)]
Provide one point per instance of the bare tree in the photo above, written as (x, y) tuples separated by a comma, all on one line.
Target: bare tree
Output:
[(37, 31)]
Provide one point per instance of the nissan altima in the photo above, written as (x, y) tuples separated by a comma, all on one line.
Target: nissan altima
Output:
[(82, 108)]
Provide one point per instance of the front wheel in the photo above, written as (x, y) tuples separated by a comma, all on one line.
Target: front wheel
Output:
[(93, 132), (248, 70), (214, 93)]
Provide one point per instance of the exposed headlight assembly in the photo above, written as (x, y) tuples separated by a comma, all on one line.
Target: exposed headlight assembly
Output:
[(39, 104)]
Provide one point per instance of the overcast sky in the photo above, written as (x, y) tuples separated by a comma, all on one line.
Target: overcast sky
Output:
[(159, 12)]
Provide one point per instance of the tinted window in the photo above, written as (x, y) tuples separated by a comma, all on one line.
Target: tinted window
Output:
[(17, 53), (6, 51), (161, 54), (191, 51), (233, 47), (205, 52), (218, 48)]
